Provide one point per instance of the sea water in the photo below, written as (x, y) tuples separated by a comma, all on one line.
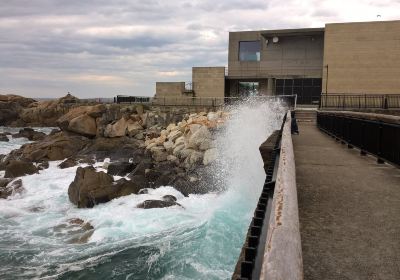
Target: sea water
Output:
[(201, 240)]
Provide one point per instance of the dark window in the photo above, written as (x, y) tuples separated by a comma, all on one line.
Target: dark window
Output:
[(249, 50), (308, 90)]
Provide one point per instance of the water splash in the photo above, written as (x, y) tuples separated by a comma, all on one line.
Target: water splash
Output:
[(201, 241)]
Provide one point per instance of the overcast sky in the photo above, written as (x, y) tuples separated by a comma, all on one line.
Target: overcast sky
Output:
[(100, 48)]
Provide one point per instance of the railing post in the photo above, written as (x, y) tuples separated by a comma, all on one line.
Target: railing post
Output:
[(379, 152)]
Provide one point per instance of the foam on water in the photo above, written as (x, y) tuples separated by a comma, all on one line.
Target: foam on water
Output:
[(201, 240), (15, 143)]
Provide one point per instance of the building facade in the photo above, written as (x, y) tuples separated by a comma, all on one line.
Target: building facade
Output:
[(351, 58)]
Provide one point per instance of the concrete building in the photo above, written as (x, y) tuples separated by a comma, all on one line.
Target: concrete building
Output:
[(351, 58)]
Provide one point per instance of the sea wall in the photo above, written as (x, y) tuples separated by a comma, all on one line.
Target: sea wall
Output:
[(283, 255)]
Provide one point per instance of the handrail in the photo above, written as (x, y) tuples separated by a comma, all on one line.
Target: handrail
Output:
[(374, 136), (360, 101)]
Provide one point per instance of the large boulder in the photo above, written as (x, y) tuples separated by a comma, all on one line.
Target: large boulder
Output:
[(199, 137), (17, 168), (84, 125), (46, 113), (90, 188), (53, 147), (11, 107), (117, 128)]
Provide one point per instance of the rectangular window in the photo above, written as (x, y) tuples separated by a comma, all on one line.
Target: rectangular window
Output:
[(248, 89), (249, 50)]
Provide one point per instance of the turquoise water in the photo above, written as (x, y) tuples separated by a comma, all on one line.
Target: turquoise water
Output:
[(202, 240)]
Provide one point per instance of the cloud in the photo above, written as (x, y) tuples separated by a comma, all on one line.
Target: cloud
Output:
[(101, 48)]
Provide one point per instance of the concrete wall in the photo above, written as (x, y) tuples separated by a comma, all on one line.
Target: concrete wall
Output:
[(169, 89), (208, 81), (293, 56), (283, 254), (362, 57)]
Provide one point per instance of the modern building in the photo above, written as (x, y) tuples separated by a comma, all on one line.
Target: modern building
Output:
[(349, 58)]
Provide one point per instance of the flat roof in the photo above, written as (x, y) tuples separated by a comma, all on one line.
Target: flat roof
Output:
[(293, 32)]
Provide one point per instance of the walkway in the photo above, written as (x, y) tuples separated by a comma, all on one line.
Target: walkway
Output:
[(349, 209)]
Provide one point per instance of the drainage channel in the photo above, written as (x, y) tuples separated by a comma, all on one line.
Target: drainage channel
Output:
[(250, 262)]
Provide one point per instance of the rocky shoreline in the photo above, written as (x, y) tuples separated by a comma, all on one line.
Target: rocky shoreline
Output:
[(145, 148)]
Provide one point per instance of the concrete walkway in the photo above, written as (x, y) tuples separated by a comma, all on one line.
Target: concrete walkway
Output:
[(349, 209)]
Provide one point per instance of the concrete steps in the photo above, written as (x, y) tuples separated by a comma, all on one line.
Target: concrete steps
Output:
[(306, 115)]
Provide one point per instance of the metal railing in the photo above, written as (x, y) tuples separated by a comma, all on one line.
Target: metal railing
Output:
[(377, 138), (360, 101), (254, 246), (288, 100)]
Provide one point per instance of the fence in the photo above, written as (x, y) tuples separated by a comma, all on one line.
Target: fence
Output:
[(360, 101), (288, 100), (375, 137)]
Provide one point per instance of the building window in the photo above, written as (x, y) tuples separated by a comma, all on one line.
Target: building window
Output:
[(249, 50), (248, 89)]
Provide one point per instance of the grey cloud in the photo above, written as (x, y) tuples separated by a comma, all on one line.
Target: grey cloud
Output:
[(45, 45)]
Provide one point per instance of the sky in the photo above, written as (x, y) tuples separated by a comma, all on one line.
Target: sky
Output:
[(101, 48)]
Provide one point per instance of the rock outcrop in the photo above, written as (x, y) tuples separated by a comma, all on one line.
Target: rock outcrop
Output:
[(17, 168), (90, 188), (11, 107), (29, 133), (7, 187)]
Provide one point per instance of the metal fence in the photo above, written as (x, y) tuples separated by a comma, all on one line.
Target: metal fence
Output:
[(288, 100), (360, 101), (378, 138)]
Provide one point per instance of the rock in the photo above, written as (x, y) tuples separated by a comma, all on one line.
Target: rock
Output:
[(174, 135), (69, 162), (8, 188), (169, 198), (194, 158), (212, 116), (198, 137), (169, 146), (52, 147), (11, 107), (84, 125), (185, 187), (209, 156), (17, 168), (206, 144), (120, 168), (152, 175), (116, 129), (134, 128), (4, 138), (140, 180), (172, 158), (76, 229), (46, 113), (143, 191), (29, 133), (158, 153), (139, 136), (90, 188), (96, 111), (43, 165), (194, 127), (184, 153), (149, 204)]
